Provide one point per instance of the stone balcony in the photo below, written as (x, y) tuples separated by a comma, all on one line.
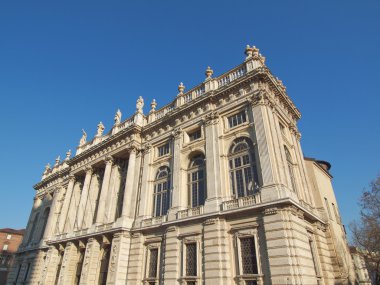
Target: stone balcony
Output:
[(153, 221), (196, 211), (242, 202)]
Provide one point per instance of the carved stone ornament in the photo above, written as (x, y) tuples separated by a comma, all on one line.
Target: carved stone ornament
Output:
[(209, 72), (113, 257), (211, 118), (153, 106), (177, 132), (210, 221), (109, 159), (57, 160), (181, 88), (270, 211), (68, 154)]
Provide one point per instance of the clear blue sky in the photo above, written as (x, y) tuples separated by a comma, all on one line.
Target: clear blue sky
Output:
[(67, 66)]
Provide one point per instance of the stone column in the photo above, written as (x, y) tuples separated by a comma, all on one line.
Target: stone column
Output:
[(73, 207), (66, 204), (178, 196), (91, 262), (213, 193), (100, 218), (49, 228), (83, 198), (146, 187), (52, 265), (128, 207), (119, 259)]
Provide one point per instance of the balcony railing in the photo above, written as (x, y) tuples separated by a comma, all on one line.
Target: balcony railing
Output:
[(153, 221), (190, 212), (242, 202)]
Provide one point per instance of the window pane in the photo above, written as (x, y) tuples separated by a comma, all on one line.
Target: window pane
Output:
[(248, 255), (153, 262), (191, 259), (239, 183)]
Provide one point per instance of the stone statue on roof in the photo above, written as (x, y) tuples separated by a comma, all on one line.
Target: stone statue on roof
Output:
[(83, 138), (117, 117), (140, 105), (100, 129)]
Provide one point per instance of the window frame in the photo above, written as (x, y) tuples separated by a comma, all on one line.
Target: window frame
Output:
[(194, 238), (153, 243), (243, 113), (158, 183), (196, 169), (252, 166), (9, 236), (165, 149), (250, 231)]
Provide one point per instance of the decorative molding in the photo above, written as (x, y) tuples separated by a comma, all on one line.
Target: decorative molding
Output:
[(270, 211)]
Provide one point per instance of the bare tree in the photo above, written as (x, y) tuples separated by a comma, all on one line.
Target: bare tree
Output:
[(366, 232)]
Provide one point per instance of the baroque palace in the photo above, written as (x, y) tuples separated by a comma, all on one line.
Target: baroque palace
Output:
[(212, 188)]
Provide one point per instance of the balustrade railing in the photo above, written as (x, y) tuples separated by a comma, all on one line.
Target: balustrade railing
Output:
[(242, 202), (196, 211), (153, 221)]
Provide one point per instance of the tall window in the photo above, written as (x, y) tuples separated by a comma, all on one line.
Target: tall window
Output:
[(290, 168), (153, 265), (248, 255), (191, 260), (104, 265), (243, 169), (161, 192), (197, 181), (34, 225)]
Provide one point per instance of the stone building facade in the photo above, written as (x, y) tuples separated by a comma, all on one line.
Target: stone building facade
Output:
[(212, 188), (10, 239)]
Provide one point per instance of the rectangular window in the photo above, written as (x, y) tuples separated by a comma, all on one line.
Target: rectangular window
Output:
[(5, 247), (195, 135), (9, 236), (328, 208), (237, 119), (191, 259), (248, 255), (162, 150), (153, 262)]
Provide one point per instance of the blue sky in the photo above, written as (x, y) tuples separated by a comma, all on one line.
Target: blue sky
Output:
[(68, 65)]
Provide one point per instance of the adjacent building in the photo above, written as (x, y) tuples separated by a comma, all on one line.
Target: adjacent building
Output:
[(10, 240), (212, 188)]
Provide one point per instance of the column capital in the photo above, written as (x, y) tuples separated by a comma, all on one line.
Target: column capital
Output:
[(72, 178), (89, 170), (109, 160), (176, 133), (211, 118)]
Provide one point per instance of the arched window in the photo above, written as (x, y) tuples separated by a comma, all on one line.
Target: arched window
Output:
[(290, 168), (161, 192), (34, 225), (197, 181), (243, 169)]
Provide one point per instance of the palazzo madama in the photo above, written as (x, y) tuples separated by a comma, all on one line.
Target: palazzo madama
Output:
[(210, 189)]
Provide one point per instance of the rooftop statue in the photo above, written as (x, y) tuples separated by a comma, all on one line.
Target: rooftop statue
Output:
[(83, 138)]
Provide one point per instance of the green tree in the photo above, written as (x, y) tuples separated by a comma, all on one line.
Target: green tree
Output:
[(366, 232)]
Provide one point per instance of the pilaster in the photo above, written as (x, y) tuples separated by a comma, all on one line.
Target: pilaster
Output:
[(217, 258), (178, 197), (119, 259), (172, 256), (90, 263), (214, 194), (51, 223), (146, 187), (129, 192), (67, 273)]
